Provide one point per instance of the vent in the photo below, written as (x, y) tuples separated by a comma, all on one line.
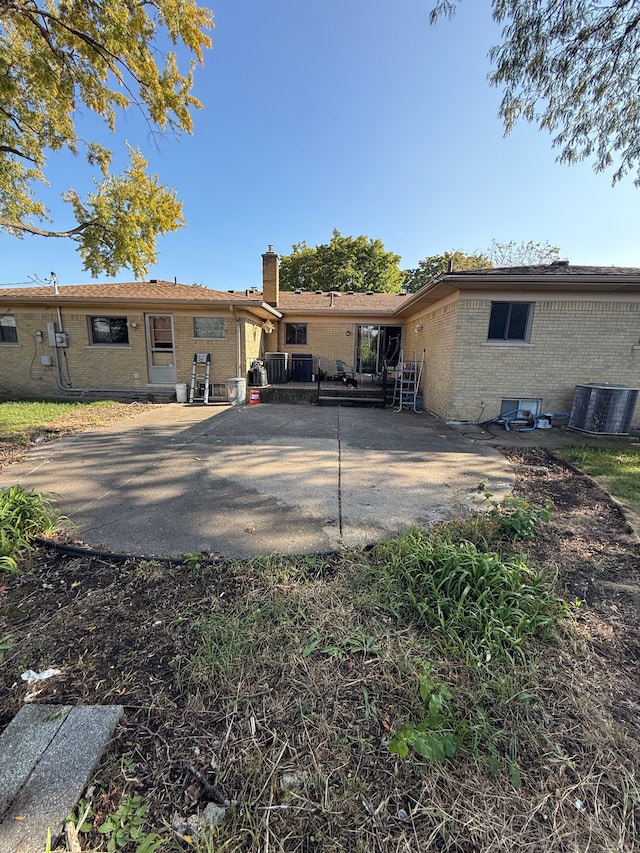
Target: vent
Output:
[(603, 409)]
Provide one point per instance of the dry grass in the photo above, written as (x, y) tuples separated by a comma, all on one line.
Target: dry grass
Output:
[(275, 686)]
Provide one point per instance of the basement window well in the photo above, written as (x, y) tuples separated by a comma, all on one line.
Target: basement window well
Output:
[(515, 404)]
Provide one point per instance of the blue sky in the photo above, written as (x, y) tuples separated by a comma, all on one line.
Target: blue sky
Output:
[(356, 115)]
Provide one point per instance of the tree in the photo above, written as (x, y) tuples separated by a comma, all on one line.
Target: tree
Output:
[(571, 66), (345, 263), (526, 254), (436, 265), (57, 56)]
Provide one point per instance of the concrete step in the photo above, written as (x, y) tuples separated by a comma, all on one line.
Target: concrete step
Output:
[(345, 400), (48, 754)]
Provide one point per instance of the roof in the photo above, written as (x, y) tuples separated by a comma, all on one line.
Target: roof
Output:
[(339, 302), (127, 290), (139, 291), (556, 277), (556, 268)]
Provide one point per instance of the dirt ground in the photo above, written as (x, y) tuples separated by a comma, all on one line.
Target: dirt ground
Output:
[(87, 616)]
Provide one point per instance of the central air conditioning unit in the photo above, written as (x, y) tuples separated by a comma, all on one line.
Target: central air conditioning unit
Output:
[(277, 364), (603, 408)]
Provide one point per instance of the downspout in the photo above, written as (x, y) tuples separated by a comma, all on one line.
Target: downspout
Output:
[(238, 341), (64, 387)]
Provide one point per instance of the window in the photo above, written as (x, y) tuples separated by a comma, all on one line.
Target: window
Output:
[(208, 327), (8, 331), (295, 333), (510, 321), (109, 330)]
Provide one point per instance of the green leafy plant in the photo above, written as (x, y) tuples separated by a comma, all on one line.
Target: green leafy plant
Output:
[(515, 517), (194, 561), (434, 738), (23, 516), (127, 826), (482, 606)]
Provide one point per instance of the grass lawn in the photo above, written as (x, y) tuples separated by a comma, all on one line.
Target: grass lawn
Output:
[(19, 421), (618, 470)]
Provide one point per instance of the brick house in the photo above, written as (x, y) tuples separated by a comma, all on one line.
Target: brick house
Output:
[(490, 338), (124, 340)]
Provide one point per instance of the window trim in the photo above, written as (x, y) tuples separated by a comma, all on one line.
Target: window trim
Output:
[(13, 326), (119, 344), (297, 327), (507, 341), (221, 337)]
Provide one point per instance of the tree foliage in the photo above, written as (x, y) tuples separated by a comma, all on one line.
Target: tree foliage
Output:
[(60, 56), (571, 66), (525, 253), (346, 263), (436, 265)]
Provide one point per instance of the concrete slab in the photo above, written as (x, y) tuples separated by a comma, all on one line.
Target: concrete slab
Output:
[(48, 754), (242, 481)]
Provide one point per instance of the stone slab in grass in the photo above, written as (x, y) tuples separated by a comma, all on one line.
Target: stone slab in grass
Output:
[(48, 754)]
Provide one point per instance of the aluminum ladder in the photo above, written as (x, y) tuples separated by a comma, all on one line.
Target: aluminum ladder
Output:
[(407, 384), (200, 375)]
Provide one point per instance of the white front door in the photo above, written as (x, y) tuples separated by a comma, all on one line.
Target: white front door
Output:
[(160, 349)]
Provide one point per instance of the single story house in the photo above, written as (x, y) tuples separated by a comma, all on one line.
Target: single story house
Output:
[(487, 339)]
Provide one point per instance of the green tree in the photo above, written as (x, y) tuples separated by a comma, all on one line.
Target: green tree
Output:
[(571, 66), (59, 56), (345, 263), (522, 254), (436, 265)]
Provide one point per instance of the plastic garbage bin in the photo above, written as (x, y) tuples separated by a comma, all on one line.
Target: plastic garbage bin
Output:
[(181, 392), (237, 391)]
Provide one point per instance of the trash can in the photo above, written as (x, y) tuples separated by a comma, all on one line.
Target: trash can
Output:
[(181, 392), (302, 367), (237, 391)]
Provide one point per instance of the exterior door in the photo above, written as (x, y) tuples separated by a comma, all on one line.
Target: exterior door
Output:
[(160, 349), (377, 346)]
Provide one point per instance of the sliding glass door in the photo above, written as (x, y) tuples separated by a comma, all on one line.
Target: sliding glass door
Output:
[(377, 346)]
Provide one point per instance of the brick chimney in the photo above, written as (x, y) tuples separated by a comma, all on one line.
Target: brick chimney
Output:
[(271, 277)]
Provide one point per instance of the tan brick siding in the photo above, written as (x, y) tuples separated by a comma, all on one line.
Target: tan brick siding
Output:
[(434, 331), (573, 341), (87, 366), (328, 338)]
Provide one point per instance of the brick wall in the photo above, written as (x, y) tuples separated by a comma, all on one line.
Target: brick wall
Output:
[(87, 366), (434, 330), (328, 338), (573, 341)]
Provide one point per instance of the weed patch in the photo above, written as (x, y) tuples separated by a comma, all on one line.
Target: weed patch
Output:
[(481, 605), (23, 516)]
